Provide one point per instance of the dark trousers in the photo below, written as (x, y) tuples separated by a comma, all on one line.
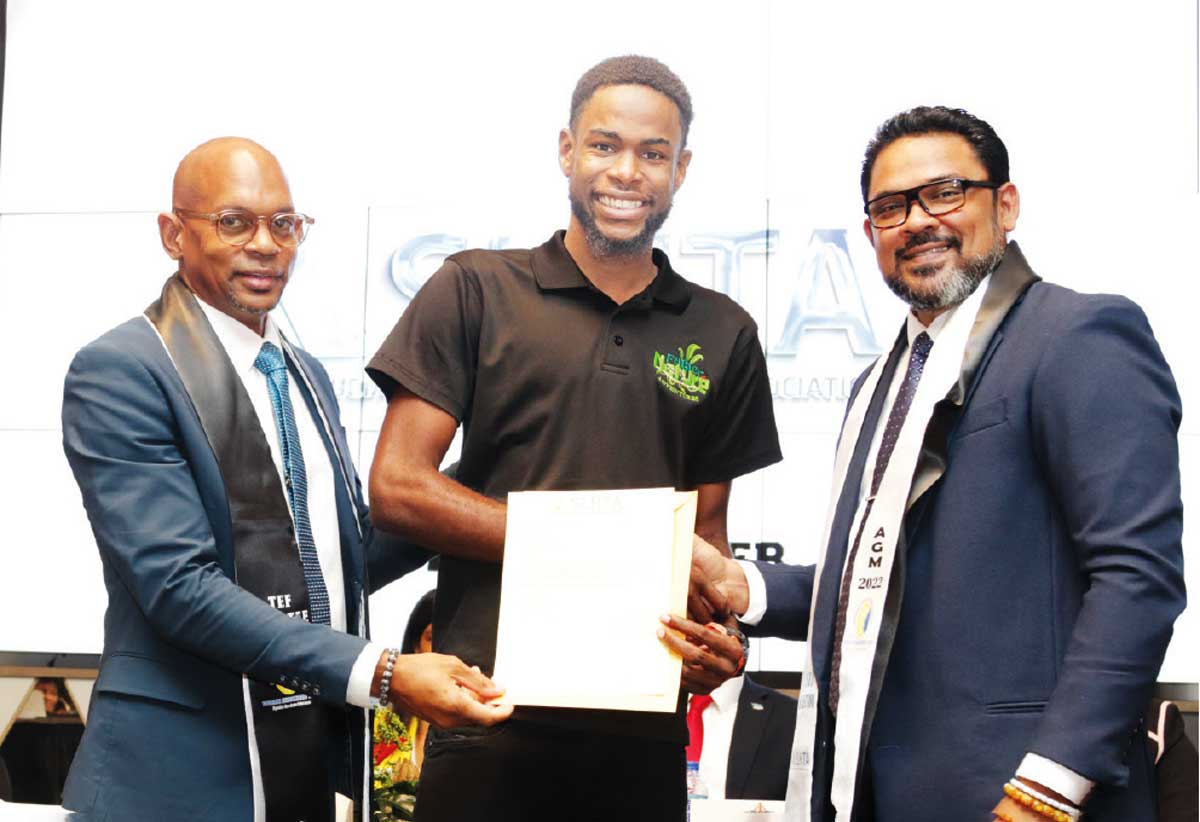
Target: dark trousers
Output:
[(521, 772)]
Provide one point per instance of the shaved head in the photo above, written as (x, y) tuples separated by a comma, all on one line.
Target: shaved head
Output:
[(211, 164), (230, 176)]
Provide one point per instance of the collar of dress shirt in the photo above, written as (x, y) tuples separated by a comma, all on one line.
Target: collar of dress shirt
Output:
[(915, 327), (240, 343), (726, 696)]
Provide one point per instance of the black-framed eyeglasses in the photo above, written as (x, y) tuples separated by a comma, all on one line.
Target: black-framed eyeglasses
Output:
[(939, 197), (237, 226)]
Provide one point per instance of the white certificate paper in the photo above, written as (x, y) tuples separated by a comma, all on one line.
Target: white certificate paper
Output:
[(586, 576)]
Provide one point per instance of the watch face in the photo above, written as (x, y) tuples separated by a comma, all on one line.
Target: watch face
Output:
[(736, 632)]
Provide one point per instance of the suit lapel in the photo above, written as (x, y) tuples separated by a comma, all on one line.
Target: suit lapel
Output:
[(749, 729), (353, 561), (1007, 285), (341, 454)]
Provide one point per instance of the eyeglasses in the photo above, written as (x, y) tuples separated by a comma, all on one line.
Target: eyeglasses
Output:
[(941, 197), (236, 226)]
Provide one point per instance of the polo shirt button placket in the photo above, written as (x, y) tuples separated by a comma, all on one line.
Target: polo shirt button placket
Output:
[(616, 356)]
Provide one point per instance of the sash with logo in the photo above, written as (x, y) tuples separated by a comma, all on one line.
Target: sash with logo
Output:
[(876, 593), (289, 728)]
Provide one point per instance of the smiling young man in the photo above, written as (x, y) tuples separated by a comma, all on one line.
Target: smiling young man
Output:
[(1003, 563), (234, 539), (562, 363)]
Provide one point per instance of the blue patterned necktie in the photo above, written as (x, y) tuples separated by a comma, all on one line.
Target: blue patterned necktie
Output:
[(271, 363), (891, 432)]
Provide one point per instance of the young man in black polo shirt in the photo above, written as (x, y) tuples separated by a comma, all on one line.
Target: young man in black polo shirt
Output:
[(585, 363)]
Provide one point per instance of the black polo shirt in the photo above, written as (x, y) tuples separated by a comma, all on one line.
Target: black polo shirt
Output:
[(559, 388)]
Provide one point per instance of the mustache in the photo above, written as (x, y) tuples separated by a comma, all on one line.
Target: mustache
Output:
[(929, 237)]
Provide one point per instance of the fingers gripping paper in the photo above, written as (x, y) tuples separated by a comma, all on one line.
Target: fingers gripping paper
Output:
[(586, 576)]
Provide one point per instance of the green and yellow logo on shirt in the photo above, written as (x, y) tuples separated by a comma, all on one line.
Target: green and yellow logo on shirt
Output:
[(681, 373)]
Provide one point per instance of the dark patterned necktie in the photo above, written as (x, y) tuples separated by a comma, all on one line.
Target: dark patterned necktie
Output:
[(270, 361), (891, 432)]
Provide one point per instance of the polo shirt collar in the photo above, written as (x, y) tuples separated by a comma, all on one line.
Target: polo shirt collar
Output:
[(555, 270)]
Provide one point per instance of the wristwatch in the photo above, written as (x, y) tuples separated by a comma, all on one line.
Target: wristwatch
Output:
[(745, 640), (736, 632)]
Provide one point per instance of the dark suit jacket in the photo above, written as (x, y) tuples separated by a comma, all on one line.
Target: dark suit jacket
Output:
[(1042, 570), (1175, 763), (166, 733), (761, 747)]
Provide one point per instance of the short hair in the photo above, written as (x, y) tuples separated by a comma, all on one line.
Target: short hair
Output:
[(988, 146), (418, 620), (633, 69)]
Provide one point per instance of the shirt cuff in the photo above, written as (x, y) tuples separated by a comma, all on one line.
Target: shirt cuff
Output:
[(757, 594), (1058, 778), (358, 689)]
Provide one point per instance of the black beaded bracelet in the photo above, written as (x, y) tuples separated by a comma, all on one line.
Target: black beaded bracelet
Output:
[(385, 681)]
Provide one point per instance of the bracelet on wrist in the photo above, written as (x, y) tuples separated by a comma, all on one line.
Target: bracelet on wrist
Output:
[(1058, 804), (385, 681), (1039, 803)]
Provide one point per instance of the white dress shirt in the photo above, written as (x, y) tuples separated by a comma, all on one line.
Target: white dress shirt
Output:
[(1036, 768), (718, 719)]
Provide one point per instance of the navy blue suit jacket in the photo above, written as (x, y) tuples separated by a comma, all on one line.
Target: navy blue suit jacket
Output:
[(166, 733), (1041, 575)]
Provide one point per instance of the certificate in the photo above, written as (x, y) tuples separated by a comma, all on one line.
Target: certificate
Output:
[(586, 576)]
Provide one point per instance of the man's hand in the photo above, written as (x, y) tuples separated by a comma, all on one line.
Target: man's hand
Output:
[(444, 691), (710, 654), (718, 585)]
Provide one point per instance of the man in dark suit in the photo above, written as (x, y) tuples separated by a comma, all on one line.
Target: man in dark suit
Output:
[(746, 739), (1006, 507), (236, 668)]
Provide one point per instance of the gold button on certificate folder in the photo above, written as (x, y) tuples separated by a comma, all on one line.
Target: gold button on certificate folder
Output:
[(586, 576)]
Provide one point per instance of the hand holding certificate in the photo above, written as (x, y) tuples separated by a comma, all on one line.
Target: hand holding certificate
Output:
[(586, 576)]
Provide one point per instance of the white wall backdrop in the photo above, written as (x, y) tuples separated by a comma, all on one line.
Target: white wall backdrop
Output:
[(413, 130)]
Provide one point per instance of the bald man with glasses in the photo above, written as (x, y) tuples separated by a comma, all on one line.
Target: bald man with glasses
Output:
[(238, 556)]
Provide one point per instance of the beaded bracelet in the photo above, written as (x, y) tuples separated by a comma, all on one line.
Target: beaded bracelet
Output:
[(1040, 804), (385, 681), (1024, 787)]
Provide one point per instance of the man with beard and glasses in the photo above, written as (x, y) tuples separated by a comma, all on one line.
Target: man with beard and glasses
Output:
[(236, 677), (1002, 563), (584, 363)]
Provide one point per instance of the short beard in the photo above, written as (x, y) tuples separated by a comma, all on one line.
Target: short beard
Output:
[(601, 245), (956, 284), (257, 312)]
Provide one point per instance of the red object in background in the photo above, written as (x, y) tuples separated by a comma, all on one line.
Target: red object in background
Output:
[(695, 725), (383, 750)]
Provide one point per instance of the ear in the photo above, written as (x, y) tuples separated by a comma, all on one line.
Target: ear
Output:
[(566, 151), (681, 166), (867, 230), (1008, 206), (170, 231)]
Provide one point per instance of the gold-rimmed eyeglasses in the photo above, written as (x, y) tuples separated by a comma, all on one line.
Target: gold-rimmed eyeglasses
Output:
[(940, 197), (236, 226)]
